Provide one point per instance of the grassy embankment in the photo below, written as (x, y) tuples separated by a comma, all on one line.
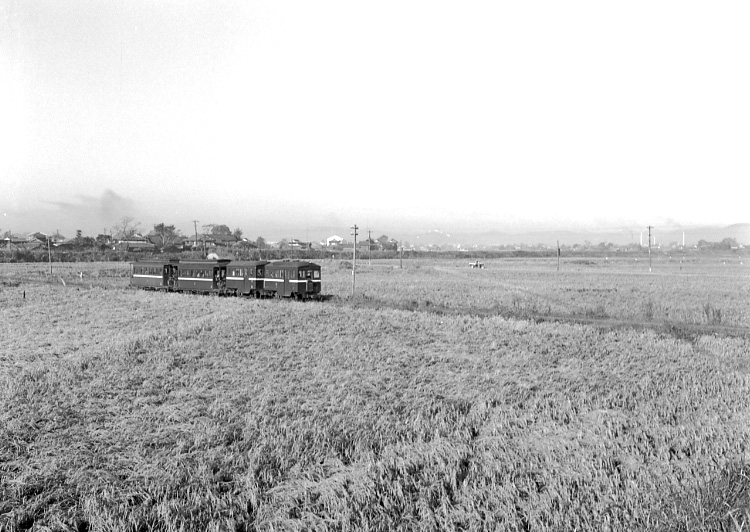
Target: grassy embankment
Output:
[(129, 410)]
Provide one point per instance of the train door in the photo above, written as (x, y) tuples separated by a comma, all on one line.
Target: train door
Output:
[(169, 277), (309, 285), (220, 278), (287, 290)]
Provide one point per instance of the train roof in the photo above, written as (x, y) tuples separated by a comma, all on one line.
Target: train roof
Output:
[(204, 262), (156, 261), (291, 264), (249, 262)]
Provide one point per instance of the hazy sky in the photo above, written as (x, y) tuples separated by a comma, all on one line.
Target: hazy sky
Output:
[(281, 116)]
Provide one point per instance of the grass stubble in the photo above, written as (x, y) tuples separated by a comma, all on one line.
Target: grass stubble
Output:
[(124, 410)]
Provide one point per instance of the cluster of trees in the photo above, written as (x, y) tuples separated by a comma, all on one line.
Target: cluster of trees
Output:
[(127, 228), (727, 243)]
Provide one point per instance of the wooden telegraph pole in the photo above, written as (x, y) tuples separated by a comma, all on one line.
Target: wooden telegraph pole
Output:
[(354, 256), (649, 248), (558, 255), (49, 255)]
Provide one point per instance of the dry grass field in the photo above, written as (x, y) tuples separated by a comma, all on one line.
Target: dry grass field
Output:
[(516, 397)]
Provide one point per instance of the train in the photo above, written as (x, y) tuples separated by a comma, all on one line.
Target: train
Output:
[(259, 279)]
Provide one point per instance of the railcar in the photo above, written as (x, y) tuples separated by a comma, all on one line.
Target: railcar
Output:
[(245, 278), (203, 276), (197, 276), (295, 279), (154, 274)]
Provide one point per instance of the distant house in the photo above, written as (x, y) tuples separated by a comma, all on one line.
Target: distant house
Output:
[(246, 243), (43, 237), (298, 244), (223, 240), (334, 240), (388, 244), (134, 243), (361, 246), (57, 238), (38, 236), (14, 243), (134, 246), (67, 245)]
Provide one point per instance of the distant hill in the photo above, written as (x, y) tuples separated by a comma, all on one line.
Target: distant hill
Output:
[(466, 238), (622, 236)]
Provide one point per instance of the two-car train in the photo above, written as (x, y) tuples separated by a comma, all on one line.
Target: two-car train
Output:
[(292, 279)]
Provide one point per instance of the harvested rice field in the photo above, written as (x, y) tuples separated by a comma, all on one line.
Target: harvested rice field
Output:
[(437, 397)]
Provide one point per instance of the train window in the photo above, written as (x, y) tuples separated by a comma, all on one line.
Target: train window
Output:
[(316, 274)]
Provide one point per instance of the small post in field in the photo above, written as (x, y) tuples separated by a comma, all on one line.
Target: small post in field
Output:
[(354, 256), (649, 248)]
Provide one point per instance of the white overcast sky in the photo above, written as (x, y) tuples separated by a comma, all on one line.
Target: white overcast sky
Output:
[(268, 115)]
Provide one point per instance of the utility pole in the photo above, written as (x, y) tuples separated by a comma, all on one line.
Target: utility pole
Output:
[(369, 248), (195, 224), (649, 248), (49, 255), (401, 255), (354, 256), (558, 255)]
